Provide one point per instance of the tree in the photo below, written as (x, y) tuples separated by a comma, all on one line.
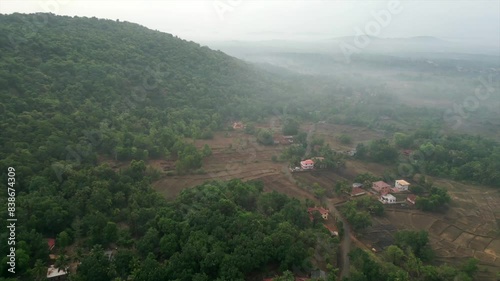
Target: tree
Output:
[(206, 151), (381, 151), (394, 254), (361, 151), (62, 262), (345, 139), (39, 271), (63, 240), (403, 140), (94, 267), (290, 127), (250, 128), (265, 137), (110, 233), (470, 267), (416, 241)]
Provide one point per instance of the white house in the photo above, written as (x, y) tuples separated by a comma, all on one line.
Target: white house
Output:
[(401, 184), (388, 199), (307, 164)]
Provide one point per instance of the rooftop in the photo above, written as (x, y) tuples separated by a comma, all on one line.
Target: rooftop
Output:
[(357, 191), (381, 186), (54, 272), (389, 196), (402, 182), (411, 197), (51, 242)]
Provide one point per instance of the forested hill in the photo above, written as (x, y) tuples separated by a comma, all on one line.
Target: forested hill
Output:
[(75, 88), (135, 90)]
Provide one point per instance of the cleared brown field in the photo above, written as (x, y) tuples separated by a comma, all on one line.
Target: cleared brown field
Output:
[(235, 155), (331, 132)]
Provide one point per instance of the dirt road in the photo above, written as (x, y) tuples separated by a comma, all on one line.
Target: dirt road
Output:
[(345, 244)]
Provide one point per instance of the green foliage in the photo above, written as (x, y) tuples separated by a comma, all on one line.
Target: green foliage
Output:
[(345, 139), (361, 151), (359, 220), (290, 127), (417, 242), (250, 128), (293, 154), (189, 158), (460, 157), (403, 140), (207, 151), (382, 151), (265, 137), (437, 199)]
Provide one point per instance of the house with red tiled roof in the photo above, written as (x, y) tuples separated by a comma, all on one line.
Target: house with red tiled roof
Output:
[(307, 164), (356, 191), (51, 243), (324, 212), (381, 187), (411, 198)]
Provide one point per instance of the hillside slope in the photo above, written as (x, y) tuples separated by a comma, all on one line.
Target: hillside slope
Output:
[(116, 88)]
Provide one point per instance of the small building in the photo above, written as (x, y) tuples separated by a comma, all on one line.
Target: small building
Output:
[(307, 164), (56, 274), (321, 210), (401, 185), (356, 191), (238, 125), (51, 243), (411, 198), (357, 184), (388, 199), (381, 187)]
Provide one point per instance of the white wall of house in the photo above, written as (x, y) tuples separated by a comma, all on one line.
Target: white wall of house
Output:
[(388, 199), (400, 186)]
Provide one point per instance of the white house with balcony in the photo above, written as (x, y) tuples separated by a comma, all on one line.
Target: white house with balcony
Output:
[(402, 185)]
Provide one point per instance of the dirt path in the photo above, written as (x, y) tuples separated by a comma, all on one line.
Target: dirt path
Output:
[(345, 244), (310, 134)]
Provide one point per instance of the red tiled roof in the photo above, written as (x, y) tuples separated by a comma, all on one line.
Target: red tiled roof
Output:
[(357, 191), (381, 187), (308, 161), (411, 198), (51, 242)]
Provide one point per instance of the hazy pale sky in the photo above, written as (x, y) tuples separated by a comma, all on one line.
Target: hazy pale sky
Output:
[(477, 21)]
